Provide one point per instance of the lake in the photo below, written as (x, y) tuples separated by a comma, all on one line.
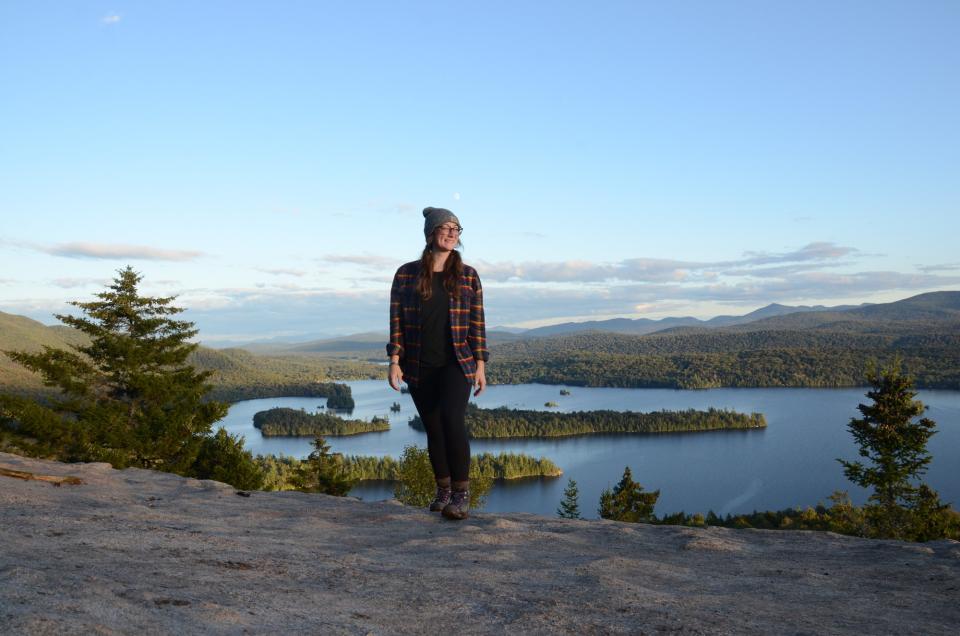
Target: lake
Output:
[(790, 463)]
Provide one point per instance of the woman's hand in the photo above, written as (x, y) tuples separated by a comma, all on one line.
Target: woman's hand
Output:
[(395, 376), (480, 379)]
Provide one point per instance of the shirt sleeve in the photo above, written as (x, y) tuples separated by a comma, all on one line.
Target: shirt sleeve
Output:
[(395, 346), (477, 333)]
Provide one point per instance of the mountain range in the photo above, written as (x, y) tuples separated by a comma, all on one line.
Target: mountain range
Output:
[(926, 327), (914, 311)]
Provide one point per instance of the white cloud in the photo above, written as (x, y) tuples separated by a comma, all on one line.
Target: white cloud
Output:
[(367, 260), (818, 251), (529, 292), (943, 267), (116, 251), (68, 283), (283, 272), (658, 270), (110, 18)]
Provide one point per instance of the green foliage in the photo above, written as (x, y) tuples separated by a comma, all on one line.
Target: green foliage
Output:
[(322, 471), (513, 466), (894, 443), (289, 422), (359, 467), (223, 458), (126, 394), (570, 506), (417, 485), (628, 501), (841, 517), (279, 472), (504, 422)]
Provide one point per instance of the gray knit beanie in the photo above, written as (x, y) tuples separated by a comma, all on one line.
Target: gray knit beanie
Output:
[(434, 218)]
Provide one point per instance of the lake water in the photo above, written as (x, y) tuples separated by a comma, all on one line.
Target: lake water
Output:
[(790, 463)]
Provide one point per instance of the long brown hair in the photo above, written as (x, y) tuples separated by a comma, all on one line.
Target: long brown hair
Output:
[(452, 270)]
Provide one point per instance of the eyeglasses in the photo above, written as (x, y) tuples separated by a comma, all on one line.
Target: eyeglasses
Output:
[(450, 229)]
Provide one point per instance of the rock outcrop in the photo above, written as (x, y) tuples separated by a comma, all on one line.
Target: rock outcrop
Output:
[(140, 552)]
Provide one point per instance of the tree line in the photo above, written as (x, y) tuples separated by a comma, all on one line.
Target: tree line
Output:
[(709, 360), (506, 422), (279, 471)]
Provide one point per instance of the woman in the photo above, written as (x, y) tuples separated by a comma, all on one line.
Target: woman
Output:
[(438, 347)]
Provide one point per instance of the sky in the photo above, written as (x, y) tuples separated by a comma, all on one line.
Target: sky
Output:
[(267, 162)]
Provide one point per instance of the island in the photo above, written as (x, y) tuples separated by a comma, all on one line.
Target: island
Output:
[(504, 422), (287, 422)]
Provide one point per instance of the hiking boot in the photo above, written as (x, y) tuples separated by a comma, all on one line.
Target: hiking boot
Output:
[(441, 500), (459, 506)]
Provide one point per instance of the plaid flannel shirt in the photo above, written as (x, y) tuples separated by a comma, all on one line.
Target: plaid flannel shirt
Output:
[(467, 327)]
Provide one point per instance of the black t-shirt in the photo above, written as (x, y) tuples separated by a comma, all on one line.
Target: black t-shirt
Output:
[(436, 344)]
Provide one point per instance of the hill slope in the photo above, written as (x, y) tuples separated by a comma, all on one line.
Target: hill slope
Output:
[(237, 374), (820, 349)]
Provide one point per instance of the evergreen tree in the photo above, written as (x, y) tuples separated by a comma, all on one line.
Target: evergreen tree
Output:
[(416, 484), (223, 458), (127, 396), (570, 506), (628, 501), (322, 471), (895, 443)]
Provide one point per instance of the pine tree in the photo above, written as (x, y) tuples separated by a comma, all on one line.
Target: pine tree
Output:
[(628, 501), (570, 506), (223, 458), (322, 471), (895, 443), (127, 396), (416, 484)]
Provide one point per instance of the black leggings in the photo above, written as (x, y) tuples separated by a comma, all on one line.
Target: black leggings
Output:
[(441, 400)]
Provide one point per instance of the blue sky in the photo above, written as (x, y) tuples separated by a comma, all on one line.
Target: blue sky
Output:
[(267, 161)]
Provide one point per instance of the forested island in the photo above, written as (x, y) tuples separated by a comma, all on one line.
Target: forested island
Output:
[(506, 422), (338, 395), (278, 470), (287, 422)]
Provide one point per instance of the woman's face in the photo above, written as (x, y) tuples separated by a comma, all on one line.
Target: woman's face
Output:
[(447, 236)]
